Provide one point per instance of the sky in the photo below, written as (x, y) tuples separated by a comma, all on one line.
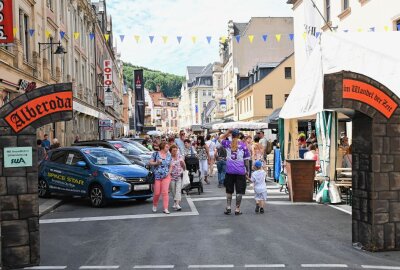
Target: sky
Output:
[(186, 18)]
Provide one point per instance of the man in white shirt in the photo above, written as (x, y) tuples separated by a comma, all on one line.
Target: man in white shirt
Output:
[(180, 142)]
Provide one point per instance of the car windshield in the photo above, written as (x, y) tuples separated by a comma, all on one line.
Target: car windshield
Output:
[(140, 146), (129, 148), (99, 156)]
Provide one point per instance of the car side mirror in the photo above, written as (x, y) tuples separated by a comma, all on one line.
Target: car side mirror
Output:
[(81, 164)]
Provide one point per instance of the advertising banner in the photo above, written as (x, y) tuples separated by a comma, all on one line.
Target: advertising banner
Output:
[(108, 83), (6, 22), (222, 105), (139, 98)]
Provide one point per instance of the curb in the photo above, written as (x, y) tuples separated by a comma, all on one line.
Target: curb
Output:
[(50, 208)]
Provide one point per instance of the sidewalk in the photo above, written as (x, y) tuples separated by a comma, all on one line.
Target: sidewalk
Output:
[(48, 205)]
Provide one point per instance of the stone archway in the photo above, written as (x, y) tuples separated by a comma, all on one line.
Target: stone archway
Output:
[(19, 210), (376, 148)]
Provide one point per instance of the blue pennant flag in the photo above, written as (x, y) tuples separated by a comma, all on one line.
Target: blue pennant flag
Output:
[(291, 36), (91, 35), (62, 34), (372, 29), (346, 31), (122, 37), (264, 37), (31, 31), (238, 38), (398, 27), (151, 39), (317, 34), (208, 39), (179, 38)]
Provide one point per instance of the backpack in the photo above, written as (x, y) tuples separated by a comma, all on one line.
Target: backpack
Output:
[(221, 153)]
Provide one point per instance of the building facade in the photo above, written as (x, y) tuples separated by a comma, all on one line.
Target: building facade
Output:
[(266, 90), (197, 91), (30, 62), (164, 112), (238, 54)]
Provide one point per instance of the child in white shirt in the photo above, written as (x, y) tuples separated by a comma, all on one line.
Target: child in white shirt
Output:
[(260, 188)]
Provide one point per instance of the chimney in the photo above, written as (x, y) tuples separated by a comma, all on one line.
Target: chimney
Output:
[(158, 88)]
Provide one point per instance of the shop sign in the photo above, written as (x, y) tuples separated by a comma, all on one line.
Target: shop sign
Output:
[(370, 95), (33, 110), (17, 157), (26, 86), (108, 83), (105, 123), (222, 105), (6, 22)]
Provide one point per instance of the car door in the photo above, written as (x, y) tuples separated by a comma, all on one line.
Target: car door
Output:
[(77, 178), (54, 171)]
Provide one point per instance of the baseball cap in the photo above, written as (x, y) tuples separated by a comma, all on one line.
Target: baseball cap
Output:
[(258, 164), (235, 132)]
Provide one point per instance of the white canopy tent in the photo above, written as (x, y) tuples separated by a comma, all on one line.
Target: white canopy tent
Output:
[(241, 125), (373, 54)]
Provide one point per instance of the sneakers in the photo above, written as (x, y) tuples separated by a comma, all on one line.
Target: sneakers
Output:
[(262, 210), (257, 208), (166, 211), (220, 186), (174, 207), (178, 208), (154, 209)]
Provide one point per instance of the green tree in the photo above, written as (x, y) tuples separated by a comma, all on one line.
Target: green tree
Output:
[(150, 84)]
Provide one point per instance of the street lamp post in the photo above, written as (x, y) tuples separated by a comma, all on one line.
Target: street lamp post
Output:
[(60, 49)]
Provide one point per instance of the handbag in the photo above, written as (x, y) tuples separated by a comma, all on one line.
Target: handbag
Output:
[(151, 178), (185, 179)]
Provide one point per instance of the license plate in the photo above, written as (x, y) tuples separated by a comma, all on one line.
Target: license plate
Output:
[(141, 187)]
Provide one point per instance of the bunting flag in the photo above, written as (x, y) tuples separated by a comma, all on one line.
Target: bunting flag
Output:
[(107, 37), (251, 38), (151, 39), (372, 29), (122, 37), (137, 38), (304, 35), (76, 35), (208, 39), (386, 28), (346, 31), (194, 38), (223, 39), (398, 27), (359, 30), (237, 38), (264, 37), (62, 34), (47, 33), (278, 37), (317, 34), (291, 36), (91, 36), (31, 32), (179, 38), (15, 31), (165, 39)]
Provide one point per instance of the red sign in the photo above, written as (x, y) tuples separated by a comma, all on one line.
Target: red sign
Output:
[(6, 22), (370, 95), (37, 108)]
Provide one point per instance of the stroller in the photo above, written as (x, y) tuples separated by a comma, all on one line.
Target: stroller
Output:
[(192, 165)]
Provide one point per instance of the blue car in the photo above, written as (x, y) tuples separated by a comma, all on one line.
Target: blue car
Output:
[(98, 173)]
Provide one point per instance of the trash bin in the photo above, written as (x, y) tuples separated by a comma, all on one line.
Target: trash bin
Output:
[(301, 174)]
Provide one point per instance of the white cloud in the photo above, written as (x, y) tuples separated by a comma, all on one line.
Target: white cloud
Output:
[(184, 18)]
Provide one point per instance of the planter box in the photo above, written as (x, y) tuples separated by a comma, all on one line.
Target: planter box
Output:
[(301, 174)]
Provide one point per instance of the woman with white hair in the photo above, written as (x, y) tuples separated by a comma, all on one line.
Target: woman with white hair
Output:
[(55, 144)]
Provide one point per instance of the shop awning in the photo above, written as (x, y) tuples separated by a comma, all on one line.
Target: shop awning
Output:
[(373, 54)]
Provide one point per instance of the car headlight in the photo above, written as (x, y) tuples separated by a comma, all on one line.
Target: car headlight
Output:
[(114, 177)]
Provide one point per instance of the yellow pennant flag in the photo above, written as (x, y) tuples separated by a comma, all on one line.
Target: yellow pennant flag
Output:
[(223, 39), (107, 37), (165, 39), (278, 37), (386, 28), (251, 38), (15, 31), (137, 38), (359, 29), (76, 35), (194, 38), (304, 35), (47, 32)]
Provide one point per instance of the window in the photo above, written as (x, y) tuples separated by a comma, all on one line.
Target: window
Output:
[(204, 93), (51, 57), (62, 10), (345, 4), (288, 72), (58, 157), (328, 10), (24, 33), (73, 158), (50, 4), (204, 104), (268, 102), (209, 93), (286, 97)]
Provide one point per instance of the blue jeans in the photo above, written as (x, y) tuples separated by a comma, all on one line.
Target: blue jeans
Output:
[(221, 166)]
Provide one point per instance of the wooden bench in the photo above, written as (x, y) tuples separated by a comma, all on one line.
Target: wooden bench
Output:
[(344, 182)]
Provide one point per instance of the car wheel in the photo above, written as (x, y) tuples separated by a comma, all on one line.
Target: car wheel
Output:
[(97, 197), (43, 188)]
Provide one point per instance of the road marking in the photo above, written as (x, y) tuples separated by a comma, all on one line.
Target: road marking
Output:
[(191, 205), (99, 267), (212, 266), (264, 266), (379, 267), (322, 265), (46, 267), (154, 266), (340, 209)]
